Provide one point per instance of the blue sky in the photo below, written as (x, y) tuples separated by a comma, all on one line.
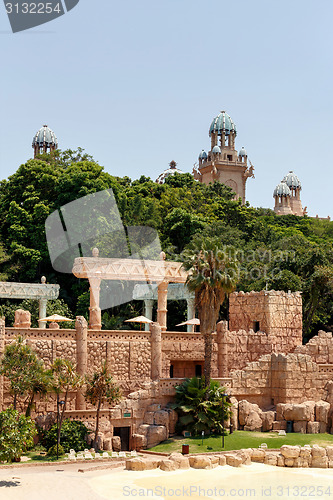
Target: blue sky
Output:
[(137, 85)]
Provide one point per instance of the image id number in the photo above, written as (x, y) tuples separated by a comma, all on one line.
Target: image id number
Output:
[(33, 8)]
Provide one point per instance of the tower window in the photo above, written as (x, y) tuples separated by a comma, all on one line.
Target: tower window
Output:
[(256, 326), (229, 157), (171, 371), (198, 370)]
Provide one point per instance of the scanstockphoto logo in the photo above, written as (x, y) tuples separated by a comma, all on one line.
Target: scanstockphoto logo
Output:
[(24, 15)]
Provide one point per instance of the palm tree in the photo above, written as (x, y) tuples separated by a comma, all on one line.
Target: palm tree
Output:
[(212, 274), (101, 389)]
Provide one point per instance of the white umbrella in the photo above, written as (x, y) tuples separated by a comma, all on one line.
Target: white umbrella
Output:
[(139, 319), (193, 321), (56, 317)]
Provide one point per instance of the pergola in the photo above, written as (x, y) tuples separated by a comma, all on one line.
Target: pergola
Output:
[(35, 291), (159, 272)]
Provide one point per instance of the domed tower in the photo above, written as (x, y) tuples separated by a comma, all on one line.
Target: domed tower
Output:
[(222, 163), (169, 171), (295, 187), (45, 140), (282, 196)]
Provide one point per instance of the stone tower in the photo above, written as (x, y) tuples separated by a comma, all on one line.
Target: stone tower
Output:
[(44, 141), (223, 163), (287, 196)]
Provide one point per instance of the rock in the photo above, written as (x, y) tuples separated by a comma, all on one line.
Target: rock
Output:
[(234, 460), (280, 460), (258, 455), (279, 425), (319, 462), (330, 464), (234, 413), (304, 411), (271, 458), (136, 463), (305, 453), (245, 455), (107, 444), (149, 418), (323, 427), (300, 426), (322, 409), (22, 319), (156, 434), (289, 462), (139, 441), (181, 461), (168, 465), (253, 422), (268, 418), (173, 419), (222, 460), (313, 427), (152, 463), (244, 408), (329, 452), (116, 443), (161, 418), (200, 462), (289, 451), (318, 451)]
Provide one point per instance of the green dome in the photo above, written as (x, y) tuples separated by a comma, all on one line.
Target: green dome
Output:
[(222, 123)]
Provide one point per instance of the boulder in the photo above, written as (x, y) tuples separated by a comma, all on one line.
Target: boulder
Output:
[(168, 465), (280, 460), (253, 422), (279, 425), (136, 463), (181, 461), (200, 462), (305, 453), (107, 444), (322, 409), (329, 452), (300, 426), (215, 461), (139, 441), (289, 451), (319, 462), (149, 418), (156, 434), (303, 411), (116, 443), (268, 418), (234, 460), (289, 462), (161, 417), (323, 427), (152, 463), (244, 408), (313, 427), (245, 455), (318, 451), (271, 458), (234, 413), (222, 460), (258, 455)]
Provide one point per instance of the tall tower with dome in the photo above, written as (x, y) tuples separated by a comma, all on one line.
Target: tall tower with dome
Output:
[(223, 163), (44, 141)]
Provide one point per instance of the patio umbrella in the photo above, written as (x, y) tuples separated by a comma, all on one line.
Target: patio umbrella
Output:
[(193, 321), (56, 318), (139, 319)]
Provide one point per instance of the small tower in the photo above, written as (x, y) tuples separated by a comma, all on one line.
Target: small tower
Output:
[(169, 171), (282, 197), (44, 141), (295, 187), (223, 163)]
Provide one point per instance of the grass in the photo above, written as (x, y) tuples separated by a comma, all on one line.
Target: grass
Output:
[(241, 439)]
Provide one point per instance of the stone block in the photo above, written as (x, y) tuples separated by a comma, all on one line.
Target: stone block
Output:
[(300, 426), (116, 443), (149, 418), (234, 460), (289, 462), (279, 425), (289, 451), (318, 451), (181, 461), (271, 458), (268, 418), (168, 465), (161, 417), (329, 452), (280, 460), (107, 444), (319, 462), (200, 462), (222, 460), (313, 427), (139, 441), (258, 455), (215, 461), (137, 464), (156, 434), (322, 409)]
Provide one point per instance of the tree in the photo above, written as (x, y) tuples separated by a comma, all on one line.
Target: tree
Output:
[(16, 434), (201, 407), (24, 371), (212, 273), (101, 389), (65, 379)]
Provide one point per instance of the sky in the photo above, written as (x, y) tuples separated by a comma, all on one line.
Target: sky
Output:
[(137, 84)]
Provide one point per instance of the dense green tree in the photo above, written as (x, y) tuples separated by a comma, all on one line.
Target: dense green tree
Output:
[(16, 434)]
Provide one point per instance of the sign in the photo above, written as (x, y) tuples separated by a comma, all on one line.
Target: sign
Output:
[(127, 414)]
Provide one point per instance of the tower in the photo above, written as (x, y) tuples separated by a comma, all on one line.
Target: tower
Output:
[(45, 140), (295, 187), (282, 197), (223, 163)]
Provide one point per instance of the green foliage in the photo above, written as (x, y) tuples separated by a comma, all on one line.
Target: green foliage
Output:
[(201, 408), (73, 436), (16, 434), (54, 451)]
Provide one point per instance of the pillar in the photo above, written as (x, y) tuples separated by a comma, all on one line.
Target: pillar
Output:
[(190, 312), (162, 297), (81, 327), (42, 312), (149, 304), (222, 348), (2, 350), (156, 351), (95, 319)]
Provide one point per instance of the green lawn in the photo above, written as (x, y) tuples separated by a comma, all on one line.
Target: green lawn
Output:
[(241, 439)]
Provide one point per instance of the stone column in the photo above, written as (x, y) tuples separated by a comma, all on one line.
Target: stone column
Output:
[(190, 312), (162, 295), (42, 312), (156, 351), (81, 327), (95, 319), (222, 348), (2, 350), (149, 304)]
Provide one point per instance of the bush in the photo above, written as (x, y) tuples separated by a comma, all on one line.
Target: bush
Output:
[(72, 436), (16, 434), (52, 452)]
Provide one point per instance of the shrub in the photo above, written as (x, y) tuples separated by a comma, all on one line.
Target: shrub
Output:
[(16, 434), (52, 452), (72, 436)]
